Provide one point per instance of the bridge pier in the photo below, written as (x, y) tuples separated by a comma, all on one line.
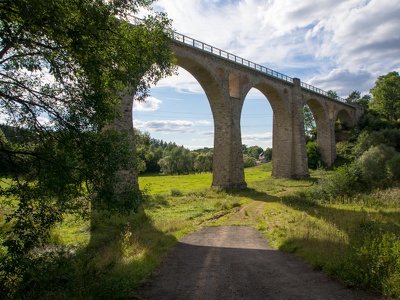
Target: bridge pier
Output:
[(289, 155), (124, 125), (299, 156), (228, 167)]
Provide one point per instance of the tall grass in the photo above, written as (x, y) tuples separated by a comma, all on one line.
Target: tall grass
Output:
[(355, 239)]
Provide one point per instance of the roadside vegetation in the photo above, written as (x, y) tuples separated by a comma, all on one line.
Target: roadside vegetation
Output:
[(71, 230), (353, 238)]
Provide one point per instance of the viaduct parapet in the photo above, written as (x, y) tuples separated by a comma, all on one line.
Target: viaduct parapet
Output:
[(226, 80)]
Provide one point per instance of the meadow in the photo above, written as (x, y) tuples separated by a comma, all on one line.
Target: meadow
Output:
[(353, 239)]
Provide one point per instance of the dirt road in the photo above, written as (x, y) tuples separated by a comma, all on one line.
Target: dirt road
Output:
[(233, 262)]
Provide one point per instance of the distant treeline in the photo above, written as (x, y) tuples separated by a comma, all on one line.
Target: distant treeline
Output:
[(169, 158)]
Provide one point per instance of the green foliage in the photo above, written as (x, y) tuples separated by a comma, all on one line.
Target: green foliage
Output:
[(268, 154), (364, 101), (354, 241), (176, 160), (377, 167), (309, 124), (70, 61), (386, 96), (344, 153), (373, 164), (314, 156), (346, 181), (372, 121), (393, 167), (375, 263), (332, 94), (389, 137), (353, 97), (253, 151), (249, 161), (176, 193), (203, 162)]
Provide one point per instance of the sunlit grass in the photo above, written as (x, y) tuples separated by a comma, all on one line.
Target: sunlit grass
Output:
[(163, 184), (126, 249)]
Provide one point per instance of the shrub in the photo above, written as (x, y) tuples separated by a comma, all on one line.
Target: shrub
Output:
[(373, 163), (314, 156), (347, 180), (249, 161), (176, 192), (393, 167), (388, 137), (375, 263)]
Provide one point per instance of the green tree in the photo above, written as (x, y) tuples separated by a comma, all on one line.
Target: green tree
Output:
[(268, 154), (386, 96), (142, 145), (176, 160), (203, 162), (364, 101), (313, 155), (309, 124), (332, 94), (254, 151), (70, 61), (353, 97)]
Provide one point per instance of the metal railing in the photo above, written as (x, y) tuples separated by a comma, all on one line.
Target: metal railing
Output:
[(322, 92), (229, 56), (239, 60)]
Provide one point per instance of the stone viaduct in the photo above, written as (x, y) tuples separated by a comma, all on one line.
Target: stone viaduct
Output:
[(226, 79)]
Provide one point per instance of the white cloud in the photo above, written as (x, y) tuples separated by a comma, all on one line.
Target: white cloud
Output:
[(166, 126), (150, 104), (203, 122), (342, 81), (173, 126), (260, 139), (3, 118), (333, 45), (184, 82), (306, 39)]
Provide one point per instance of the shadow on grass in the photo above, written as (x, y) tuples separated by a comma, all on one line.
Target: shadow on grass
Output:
[(353, 222), (122, 252), (253, 194), (367, 254)]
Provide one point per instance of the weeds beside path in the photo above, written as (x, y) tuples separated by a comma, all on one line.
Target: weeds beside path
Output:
[(353, 240), (235, 262)]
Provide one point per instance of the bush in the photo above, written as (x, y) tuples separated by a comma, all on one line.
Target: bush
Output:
[(375, 263), (314, 156), (249, 161), (393, 167), (176, 192), (347, 180), (373, 163), (388, 137)]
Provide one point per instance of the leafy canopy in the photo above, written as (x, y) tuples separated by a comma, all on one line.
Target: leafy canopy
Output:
[(386, 96), (63, 67)]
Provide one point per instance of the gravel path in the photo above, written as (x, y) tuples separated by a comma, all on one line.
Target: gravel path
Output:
[(232, 262)]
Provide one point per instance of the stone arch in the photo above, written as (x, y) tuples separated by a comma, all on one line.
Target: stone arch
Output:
[(220, 87), (203, 76), (324, 130), (281, 129), (344, 118)]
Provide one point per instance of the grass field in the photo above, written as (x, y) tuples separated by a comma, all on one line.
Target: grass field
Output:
[(355, 240)]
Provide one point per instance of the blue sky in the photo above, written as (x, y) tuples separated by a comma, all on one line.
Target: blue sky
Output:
[(332, 44)]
